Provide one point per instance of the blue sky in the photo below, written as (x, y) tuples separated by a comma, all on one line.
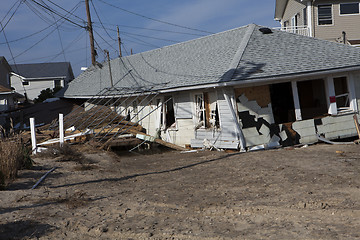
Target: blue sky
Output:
[(37, 35)]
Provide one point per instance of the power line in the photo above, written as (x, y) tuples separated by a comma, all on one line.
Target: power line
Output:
[(65, 18), (153, 29), (12, 15), (153, 19), (97, 15)]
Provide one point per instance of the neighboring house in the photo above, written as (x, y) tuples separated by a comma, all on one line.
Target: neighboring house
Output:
[(33, 78), (237, 89), (7, 94), (333, 20)]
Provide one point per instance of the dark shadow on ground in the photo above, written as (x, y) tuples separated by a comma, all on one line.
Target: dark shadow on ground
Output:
[(148, 173), (24, 230)]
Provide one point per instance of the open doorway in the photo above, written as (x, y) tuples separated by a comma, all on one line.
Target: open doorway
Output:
[(312, 98), (282, 102)]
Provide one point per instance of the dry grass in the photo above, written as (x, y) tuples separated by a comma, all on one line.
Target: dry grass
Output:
[(13, 156)]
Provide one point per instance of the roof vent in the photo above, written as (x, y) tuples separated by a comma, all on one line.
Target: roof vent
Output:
[(265, 30)]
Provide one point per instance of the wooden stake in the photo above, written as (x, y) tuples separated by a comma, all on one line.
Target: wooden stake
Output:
[(357, 125), (33, 135)]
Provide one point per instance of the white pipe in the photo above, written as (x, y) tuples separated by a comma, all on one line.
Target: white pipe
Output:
[(33, 135), (61, 129)]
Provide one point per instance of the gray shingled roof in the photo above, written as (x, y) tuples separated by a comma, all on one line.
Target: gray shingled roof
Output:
[(43, 70), (242, 54)]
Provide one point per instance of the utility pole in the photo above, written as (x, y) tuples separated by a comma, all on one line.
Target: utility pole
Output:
[(91, 34), (119, 40), (108, 57)]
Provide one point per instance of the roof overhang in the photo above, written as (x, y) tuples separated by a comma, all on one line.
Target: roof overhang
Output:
[(38, 78), (248, 82), (280, 6)]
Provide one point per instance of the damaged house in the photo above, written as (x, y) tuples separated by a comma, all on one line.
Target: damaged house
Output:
[(237, 89)]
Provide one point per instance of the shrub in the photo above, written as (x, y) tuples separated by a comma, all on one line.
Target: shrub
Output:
[(13, 156)]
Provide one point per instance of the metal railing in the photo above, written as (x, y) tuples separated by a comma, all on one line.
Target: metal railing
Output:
[(301, 30)]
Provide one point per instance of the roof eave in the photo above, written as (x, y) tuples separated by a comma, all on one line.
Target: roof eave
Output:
[(247, 82), (280, 6)]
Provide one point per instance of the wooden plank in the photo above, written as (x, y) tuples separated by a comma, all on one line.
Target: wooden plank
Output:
[(356, 125)]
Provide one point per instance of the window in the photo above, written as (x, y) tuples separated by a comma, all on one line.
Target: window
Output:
[(200, 110), (349, 8), (325, 14), (57, 83), (168, 114), (25, 83), (305, 16), (207, 114), (341, 93)]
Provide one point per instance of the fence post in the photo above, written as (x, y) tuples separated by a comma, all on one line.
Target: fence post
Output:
[(61, 129), (33, 135)]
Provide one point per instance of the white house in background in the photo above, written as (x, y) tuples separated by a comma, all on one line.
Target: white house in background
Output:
[(31, 79), (7, 94), (333, 20), (241, 88)]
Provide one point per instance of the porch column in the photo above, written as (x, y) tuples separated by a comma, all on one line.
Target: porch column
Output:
[(352, 94), (296, 101), (309, 17), (332, 110)]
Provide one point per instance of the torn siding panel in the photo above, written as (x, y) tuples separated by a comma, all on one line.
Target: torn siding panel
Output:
[(306, 130), (255, 114), (336, 127), (227, 124)]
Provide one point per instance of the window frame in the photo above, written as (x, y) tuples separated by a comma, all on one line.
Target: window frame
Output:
[(349, 14), (332, 15)]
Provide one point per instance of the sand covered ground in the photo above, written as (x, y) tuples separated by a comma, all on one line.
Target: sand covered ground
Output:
[(291, 193)]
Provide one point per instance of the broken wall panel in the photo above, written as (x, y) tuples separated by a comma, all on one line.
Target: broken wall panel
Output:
[(260, 94), (337, 127), (306, 130), (255, 114)]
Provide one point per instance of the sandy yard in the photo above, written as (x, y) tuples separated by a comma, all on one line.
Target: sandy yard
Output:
[(292, 193)]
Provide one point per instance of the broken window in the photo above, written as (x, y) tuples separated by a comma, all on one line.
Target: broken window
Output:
[(312, 98), (206, 111), (168, 114), (282, 102), (341, 93)]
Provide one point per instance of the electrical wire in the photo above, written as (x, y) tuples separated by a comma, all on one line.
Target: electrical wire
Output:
[(153, 29), (65, 18), (57, 27), (97, 15), (12, 15), (153, 19)]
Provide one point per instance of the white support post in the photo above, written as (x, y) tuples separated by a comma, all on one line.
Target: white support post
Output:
[(296, 100), (61, 129), (309, 17), (352, 93), (332, 110), (33, 135)]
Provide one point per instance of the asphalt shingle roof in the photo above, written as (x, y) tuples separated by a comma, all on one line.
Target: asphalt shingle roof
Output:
[(209, 59), (41, 70)]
